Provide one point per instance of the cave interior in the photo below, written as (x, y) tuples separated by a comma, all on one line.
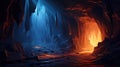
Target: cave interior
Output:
[(37, 32)]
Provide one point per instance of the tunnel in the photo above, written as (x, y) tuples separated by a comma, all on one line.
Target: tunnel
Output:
[(89, 35), (51, 33)]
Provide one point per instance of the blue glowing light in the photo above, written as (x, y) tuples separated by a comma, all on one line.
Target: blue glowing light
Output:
[(46, 28)]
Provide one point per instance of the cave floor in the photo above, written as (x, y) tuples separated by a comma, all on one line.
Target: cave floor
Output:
[(69, 60)]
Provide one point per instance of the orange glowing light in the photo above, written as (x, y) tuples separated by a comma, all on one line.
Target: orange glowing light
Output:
[(95, 35), (47, 56), (88, 35)]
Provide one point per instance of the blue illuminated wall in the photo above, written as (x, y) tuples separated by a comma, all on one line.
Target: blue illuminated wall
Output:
[(43, 28)]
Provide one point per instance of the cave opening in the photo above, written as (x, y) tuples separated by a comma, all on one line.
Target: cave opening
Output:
[(89, 35)]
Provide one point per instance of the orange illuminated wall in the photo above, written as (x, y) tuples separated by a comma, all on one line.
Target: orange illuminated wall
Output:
[(89, 34)]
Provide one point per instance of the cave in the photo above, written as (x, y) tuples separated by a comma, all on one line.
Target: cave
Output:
[(52, 33)]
